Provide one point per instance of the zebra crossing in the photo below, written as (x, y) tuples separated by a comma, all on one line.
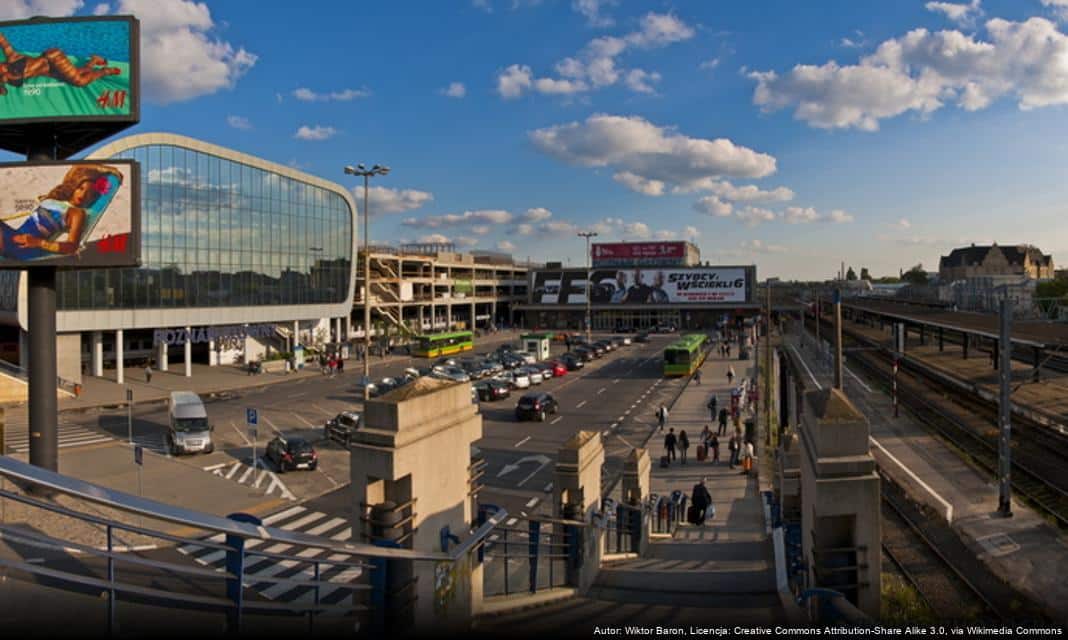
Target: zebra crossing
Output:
[(257, 569), (72, 435), (255, 476)]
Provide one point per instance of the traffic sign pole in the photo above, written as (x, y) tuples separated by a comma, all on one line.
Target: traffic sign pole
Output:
[(252, 419), (129, 413), (139, 460)]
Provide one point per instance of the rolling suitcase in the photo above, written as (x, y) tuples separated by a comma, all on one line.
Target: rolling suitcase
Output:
[(665, 462), (702, 452), (693, 514)]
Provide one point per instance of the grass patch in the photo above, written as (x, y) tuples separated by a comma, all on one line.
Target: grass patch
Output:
[(902, 604)]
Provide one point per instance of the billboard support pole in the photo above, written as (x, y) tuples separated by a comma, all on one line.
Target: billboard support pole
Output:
[(44, 437)]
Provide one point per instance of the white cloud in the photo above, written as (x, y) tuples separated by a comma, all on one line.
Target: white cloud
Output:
[(480, 229), (837, 216), (434, 238), (455, 90), (753, 216), (524, 229), (636, 230), (1059, 7), (648, 153), (800, 215), (19, 9), (513, 81), (465, 241), (558, 228), (181, 58), (756, 246), (902, 223), (386, 200), (505, 245), (537, 214), (923, 71), (713, 206), (634, 182), (592, 9), (317, 132), (666, 234), (595, 66), (102, 9), (709, 64), (305, 94), (483, 216), (238, 122), (744, 193), (962, 14), (849, 43), (690, 233)]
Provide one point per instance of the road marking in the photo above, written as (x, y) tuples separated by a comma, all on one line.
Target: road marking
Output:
[(548, 487), (601, 390), (581, 404), (859, 381), (805, 365), (520, 443), (271, 425), (627, 412), (605, 433), (532, 502), (245, 475), (323, 410), (620, 418), (616, 381), (303, 419), (259, 480), (297, 395), (532, 474), (511, 521), (240, 433), (233, 470), (613, 425), (557, 419)]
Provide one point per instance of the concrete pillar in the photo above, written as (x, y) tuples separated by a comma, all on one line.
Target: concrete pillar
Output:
[(577, 496), (337, 330), (120, 358), (419, 447), (296, 335), (448, 317), (840, 514), (188, 352), (162, 356), (96, 352), (213, 354), (420, 329), (493, 311), (474, 321), (788, 476)]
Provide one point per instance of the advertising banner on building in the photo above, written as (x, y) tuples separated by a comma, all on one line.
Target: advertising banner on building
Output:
[(65, 72), (70, 214), (704, 285), (638, 253)]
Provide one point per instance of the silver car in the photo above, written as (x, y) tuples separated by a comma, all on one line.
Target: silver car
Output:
[(456, 374), (515, 378), (536, 376)]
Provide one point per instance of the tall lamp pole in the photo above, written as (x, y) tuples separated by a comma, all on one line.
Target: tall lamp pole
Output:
[(361, 170), (589, 267)]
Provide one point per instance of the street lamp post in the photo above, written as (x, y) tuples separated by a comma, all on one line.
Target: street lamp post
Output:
[(361, 170), (589, 266)]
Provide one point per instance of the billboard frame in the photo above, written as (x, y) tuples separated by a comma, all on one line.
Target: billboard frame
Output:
[(749, 271), (135, 216), (75, 133)]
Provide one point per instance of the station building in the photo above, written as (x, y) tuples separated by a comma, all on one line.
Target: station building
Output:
[(239, 255)]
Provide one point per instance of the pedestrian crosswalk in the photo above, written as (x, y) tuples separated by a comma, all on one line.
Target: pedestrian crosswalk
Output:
[(70, 435), (299, 568), (257, 476)]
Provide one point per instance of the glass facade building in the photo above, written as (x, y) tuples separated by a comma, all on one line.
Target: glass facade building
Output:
[(219, 232)]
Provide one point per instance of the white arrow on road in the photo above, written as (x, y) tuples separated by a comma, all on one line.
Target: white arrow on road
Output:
[(508, 468)]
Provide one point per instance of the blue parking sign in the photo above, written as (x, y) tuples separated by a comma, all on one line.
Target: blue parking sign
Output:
[(139, 455), (250, 416)]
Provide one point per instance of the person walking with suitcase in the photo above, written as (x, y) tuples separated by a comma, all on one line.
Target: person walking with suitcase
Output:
[(669, 445), (750, 457), (700, 501), (684, 444), (722, 422)]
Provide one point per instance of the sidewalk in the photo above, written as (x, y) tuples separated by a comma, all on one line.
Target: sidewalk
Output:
[(1025, 550)]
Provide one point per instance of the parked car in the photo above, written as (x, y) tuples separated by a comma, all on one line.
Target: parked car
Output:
[(598, 348), (572, 361), (446, 362), (665, 328), (382, 387), (536, 406), (546, 369), (490, 390), (587, 354), (515, 378), (607, 344), (642, 336), (558, 368), (341, 427), (535, 374), (292, 453), (620, 341), (527, 357), (456, 374), (418, 372)]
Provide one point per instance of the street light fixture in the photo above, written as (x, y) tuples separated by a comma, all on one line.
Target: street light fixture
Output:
[(589, 266), (361, 170)]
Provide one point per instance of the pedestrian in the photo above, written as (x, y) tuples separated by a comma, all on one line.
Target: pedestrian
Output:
[(567, 342), (728, 350), (148, 374), (750, 456), (722, 422), (669, 444), (706, 435), (701, 500), (684, 444), (340, 365), (713, 444), (712, 408), (697, 377), (732, 446), (730, 374), (662, 416)]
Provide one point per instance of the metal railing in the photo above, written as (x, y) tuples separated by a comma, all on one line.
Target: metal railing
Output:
[(15, 370), (326, 567), (527, 555), (668, 512), (623, 526)]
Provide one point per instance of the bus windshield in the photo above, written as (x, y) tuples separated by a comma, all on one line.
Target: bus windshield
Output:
[(676, 356)]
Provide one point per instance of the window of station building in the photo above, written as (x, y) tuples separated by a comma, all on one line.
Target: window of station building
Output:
[(216, 232)]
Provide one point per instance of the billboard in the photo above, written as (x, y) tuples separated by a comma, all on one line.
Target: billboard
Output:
[(638, 253), (70, 214), (75, 77), (703, 285)]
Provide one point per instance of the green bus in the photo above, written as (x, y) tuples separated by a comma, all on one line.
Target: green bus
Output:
[(443, 344), (681, 358)]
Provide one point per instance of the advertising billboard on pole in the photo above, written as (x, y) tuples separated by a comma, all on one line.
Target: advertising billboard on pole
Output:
[(699, 285), (77, 78), (663, 253), (70, 214)]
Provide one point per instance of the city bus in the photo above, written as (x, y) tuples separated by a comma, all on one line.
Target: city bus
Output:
[(443, 344), (682, 357)]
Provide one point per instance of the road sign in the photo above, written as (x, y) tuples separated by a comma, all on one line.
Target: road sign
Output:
[(139, 455), (251, 417), (253, 432), (129, 395)]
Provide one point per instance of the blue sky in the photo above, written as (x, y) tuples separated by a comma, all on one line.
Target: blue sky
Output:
[(790, 135)]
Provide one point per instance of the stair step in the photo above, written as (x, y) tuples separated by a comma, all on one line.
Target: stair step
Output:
[(763, 603), (690, 577), (711, 551)]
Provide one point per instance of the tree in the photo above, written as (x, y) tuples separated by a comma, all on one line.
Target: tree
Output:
[(850, 274), (915, 275), (864, 275)]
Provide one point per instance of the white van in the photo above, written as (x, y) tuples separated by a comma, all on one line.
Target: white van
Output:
[(189, 430)]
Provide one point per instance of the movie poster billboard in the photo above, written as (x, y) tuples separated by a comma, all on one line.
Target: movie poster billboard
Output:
[(70, 214), (704, 285), (76, 77)]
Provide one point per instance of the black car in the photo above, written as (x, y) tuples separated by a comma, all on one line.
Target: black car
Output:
[(536, 406), (586, 353), (642, 337), (572, 361), (598, 348), (294, 453), (490, 390), (341, 427), (607, 344)]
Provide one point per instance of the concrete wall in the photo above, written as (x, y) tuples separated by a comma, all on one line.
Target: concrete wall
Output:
[(69, 356)]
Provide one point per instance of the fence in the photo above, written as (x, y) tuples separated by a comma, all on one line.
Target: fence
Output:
[(623, 526), (349, 580), (526, 555), (668, 512)]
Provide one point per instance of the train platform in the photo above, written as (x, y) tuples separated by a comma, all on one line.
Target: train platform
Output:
[(1025, 551)]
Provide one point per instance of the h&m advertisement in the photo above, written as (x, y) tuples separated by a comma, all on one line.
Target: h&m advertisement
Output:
[(69, 68), (70, 214), (643, 286)]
